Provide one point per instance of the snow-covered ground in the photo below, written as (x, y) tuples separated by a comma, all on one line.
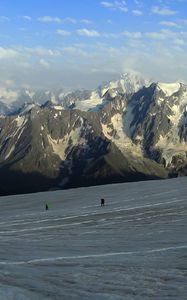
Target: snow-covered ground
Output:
[(133, 248)]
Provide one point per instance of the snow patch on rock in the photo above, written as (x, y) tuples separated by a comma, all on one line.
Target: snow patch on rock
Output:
[(10, 152), (169, 88), (120, 139), (20, 121), (60, 146), (88, 104)]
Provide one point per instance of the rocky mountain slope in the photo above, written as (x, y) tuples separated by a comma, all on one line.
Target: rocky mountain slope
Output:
[(125, 130)]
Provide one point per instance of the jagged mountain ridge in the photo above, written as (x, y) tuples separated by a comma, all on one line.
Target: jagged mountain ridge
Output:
[(11, 101), (133, 135)]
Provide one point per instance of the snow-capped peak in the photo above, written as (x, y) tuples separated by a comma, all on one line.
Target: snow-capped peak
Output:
[(169, 88), (128, 82)]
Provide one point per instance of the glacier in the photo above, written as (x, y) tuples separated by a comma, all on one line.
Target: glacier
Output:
[(133, 248)]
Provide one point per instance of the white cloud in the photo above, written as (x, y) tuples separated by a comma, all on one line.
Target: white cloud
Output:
[(28, 18), (132, 35), (107, 4), (179, 49), (179, 42), (183, 21), (160, 53), (88, 65), (137, 12), (7, 53), (44, 63), (183, 35), (85, 21), (9, 82), (74, 51), (116, 5), (49, 19), (155, 35), (162, 34), (39, 51), (139, 3), (163, 11), (169, 24), (70, 20), (166, 37), (63, 32), (4, 19), (111, 35), (88, 33)]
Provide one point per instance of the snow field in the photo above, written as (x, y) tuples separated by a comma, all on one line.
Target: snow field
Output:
[(133, 248)]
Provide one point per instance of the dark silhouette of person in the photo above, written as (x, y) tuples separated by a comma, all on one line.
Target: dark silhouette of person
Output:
[(102, 202), (46, 207)]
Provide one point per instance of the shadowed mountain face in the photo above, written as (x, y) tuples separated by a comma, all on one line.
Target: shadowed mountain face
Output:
[(114, 135)]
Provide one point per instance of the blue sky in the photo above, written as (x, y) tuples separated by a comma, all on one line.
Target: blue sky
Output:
[(79, 44)]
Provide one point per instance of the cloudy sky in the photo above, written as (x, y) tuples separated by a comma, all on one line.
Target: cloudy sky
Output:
[(80, 43)]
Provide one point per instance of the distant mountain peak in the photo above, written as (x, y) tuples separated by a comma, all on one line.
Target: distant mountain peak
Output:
[(128, 82), (169, 88)]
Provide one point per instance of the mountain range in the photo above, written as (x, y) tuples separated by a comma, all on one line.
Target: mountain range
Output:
[(128, 129)]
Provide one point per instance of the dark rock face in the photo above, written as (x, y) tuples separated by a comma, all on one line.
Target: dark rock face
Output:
[(128, 136)]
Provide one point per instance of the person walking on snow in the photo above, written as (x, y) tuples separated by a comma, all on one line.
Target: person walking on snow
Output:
[(102, 202)]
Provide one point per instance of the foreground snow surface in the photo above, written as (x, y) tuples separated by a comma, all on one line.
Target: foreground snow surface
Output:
[(133, 248)]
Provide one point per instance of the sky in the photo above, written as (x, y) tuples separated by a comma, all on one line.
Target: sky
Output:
[(74, 44)]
